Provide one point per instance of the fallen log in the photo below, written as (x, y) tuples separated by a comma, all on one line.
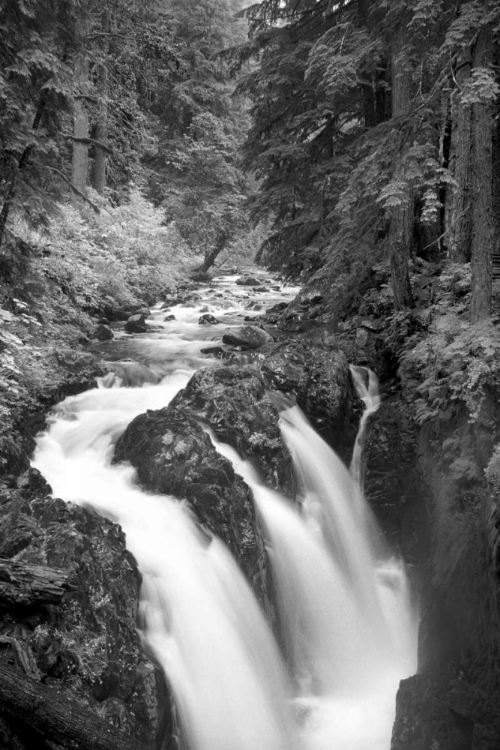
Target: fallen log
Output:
[(52, 713), (27, 585)]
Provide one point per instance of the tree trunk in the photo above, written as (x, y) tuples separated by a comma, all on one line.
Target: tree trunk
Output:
[(98, 176), (12, 189), (460, 237), (54, 714), (401, 216), (483, 224), (211, 255), (80, 118)]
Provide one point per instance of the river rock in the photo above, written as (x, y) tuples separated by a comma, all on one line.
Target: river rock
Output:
[(208, 319), (173, 455), (277, 308), (214, 351), (167, 318), (315, 373), (103, 333), (392, 482), (249, 337), (248, 281), (87, 643), (233, 402), (136, 324)]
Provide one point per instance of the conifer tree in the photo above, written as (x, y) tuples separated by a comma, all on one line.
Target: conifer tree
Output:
[(363, 156)]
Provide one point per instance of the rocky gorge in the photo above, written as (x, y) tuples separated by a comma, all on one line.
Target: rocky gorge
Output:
[(82, 641)]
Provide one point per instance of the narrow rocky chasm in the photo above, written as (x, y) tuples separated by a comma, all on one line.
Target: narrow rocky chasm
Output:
[(172, 455), (75, 633)]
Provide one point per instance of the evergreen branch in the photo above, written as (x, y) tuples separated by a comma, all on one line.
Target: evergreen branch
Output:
[(90, 142)]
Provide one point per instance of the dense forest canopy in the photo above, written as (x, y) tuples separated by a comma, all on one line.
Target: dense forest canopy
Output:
[(369, 131), (97, 97), (375, 135)]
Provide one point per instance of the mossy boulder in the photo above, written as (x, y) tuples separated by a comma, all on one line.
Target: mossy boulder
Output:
[(88, 642), (173, 455)]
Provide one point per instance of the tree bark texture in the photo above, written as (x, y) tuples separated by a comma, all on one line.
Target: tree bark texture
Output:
[(460, 239), (80, 118), (211, 255), (53, 714), (98, 176), (483, 224), (401, 216)]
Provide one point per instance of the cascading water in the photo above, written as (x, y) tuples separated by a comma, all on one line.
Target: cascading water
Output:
[(345, 614), (369, 394)]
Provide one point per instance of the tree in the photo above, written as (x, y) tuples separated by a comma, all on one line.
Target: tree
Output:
[(34, 92), (401, 214), (194, 167), (79, 166), (360, 157)]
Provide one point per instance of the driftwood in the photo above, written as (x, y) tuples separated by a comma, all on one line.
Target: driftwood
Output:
[(28, 585), (52, 713), (23, 655)]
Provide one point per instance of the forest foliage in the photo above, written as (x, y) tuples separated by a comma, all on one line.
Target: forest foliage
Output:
[(375, 138), (121, 95), (369, 131)]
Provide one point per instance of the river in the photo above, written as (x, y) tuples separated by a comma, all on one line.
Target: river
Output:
[(349, 629)]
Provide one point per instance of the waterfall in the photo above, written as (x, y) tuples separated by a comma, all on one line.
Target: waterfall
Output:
[(201, 620), (345, 613), (368, 392)]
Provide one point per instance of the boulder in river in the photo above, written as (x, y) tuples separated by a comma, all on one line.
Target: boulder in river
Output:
[(208, 320), (214, 351), (315, 373), (103, 333), (136, 324), (173, 455), (233, 401), (248, 337), (248, 281), (169, 317)]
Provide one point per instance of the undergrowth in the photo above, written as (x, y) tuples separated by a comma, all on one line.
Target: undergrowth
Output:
[(122, 257), (55, 283), (447, 365)]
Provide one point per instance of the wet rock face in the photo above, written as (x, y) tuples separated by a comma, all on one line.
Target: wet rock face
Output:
[(136, 323), (88, 642), (454, 703), (315, 373), (248, 337), (207, 319), (249, 281), (174, 456), (446, 714), (233, 402), (392, 480)]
